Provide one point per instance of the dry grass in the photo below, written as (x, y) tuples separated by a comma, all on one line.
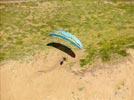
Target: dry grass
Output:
[(106, 29)]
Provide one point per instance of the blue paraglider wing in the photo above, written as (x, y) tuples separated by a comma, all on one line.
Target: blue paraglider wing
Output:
[(68, 37)]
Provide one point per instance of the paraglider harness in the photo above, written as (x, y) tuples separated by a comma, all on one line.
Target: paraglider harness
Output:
[(64, 59)]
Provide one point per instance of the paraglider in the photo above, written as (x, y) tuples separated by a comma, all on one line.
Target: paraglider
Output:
[(68, 37)]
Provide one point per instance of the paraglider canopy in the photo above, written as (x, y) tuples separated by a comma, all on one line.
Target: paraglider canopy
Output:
[(63, 48), (68, 37)]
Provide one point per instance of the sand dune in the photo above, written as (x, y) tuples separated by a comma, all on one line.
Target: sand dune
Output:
[(43, 78)]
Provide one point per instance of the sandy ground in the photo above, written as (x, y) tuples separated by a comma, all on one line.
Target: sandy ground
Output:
[(43, 78)]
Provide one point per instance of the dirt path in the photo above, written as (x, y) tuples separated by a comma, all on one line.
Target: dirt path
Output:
[(44, 78)]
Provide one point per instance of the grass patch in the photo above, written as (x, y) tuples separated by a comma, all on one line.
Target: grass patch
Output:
[(104, 28)]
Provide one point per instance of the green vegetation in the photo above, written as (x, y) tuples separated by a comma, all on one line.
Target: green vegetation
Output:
[(104, 28)]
